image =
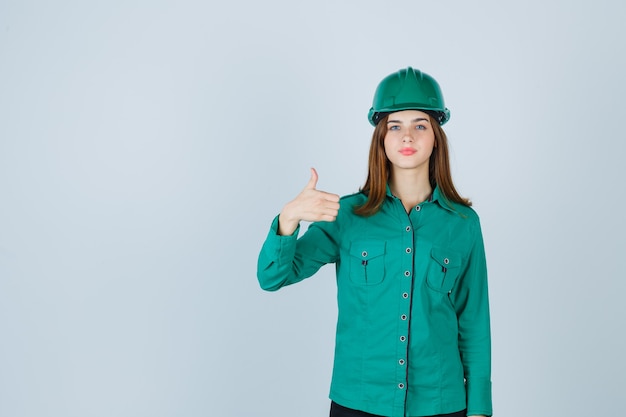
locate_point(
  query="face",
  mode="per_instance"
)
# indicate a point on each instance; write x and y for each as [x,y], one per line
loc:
[409,140]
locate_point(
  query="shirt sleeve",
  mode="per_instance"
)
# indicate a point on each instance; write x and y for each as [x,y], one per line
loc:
[472,308]
[286,260]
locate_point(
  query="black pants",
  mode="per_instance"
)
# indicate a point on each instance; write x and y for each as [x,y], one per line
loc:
[337,410]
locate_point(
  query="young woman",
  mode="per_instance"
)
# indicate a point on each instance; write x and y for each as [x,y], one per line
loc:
[413,336]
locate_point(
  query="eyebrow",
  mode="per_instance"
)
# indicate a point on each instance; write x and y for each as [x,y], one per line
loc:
[419,119]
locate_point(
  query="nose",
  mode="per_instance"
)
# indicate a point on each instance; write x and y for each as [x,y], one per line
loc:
[407,137]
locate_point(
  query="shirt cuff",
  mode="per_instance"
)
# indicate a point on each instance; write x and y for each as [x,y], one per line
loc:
[283,247]
[274,228]
[479,397]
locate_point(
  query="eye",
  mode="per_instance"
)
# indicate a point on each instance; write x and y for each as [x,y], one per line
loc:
[420,127]
[394,127]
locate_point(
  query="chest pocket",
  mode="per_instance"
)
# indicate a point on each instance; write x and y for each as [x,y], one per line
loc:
[367,262]
[444,269]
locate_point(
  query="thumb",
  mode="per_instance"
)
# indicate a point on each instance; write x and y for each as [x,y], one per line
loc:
[313,181]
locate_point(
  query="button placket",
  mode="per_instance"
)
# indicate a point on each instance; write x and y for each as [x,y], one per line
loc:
[404,303]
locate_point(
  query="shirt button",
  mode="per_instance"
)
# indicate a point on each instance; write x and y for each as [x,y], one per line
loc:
[408,250]
[405,295]
[446,261]
[364,254]
[418,208]
[401,361]
[403,317]
[408,228]
[407,273]
[402,338]
[401,385]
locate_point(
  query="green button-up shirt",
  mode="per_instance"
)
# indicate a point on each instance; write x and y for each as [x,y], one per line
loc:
[413,335]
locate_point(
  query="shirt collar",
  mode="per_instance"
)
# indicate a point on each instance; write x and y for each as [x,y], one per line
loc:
[389,193]
[436,196]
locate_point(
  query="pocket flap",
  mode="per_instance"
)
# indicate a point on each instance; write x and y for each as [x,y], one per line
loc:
[367,249]
[445,257]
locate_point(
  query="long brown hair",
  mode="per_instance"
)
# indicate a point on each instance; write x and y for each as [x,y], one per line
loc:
[379,168]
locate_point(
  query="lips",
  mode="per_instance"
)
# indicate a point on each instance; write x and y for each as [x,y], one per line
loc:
[407,151]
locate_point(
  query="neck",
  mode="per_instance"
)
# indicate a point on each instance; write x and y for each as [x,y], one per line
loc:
[410,188]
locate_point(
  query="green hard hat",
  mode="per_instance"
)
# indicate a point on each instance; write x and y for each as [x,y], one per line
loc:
[408,89]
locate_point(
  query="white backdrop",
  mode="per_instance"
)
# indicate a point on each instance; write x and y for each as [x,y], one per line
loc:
[145,147]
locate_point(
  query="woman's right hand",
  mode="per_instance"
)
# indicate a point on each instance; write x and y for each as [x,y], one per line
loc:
[310,205]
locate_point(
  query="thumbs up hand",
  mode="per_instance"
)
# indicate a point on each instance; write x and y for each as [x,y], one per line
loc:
[310,205]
